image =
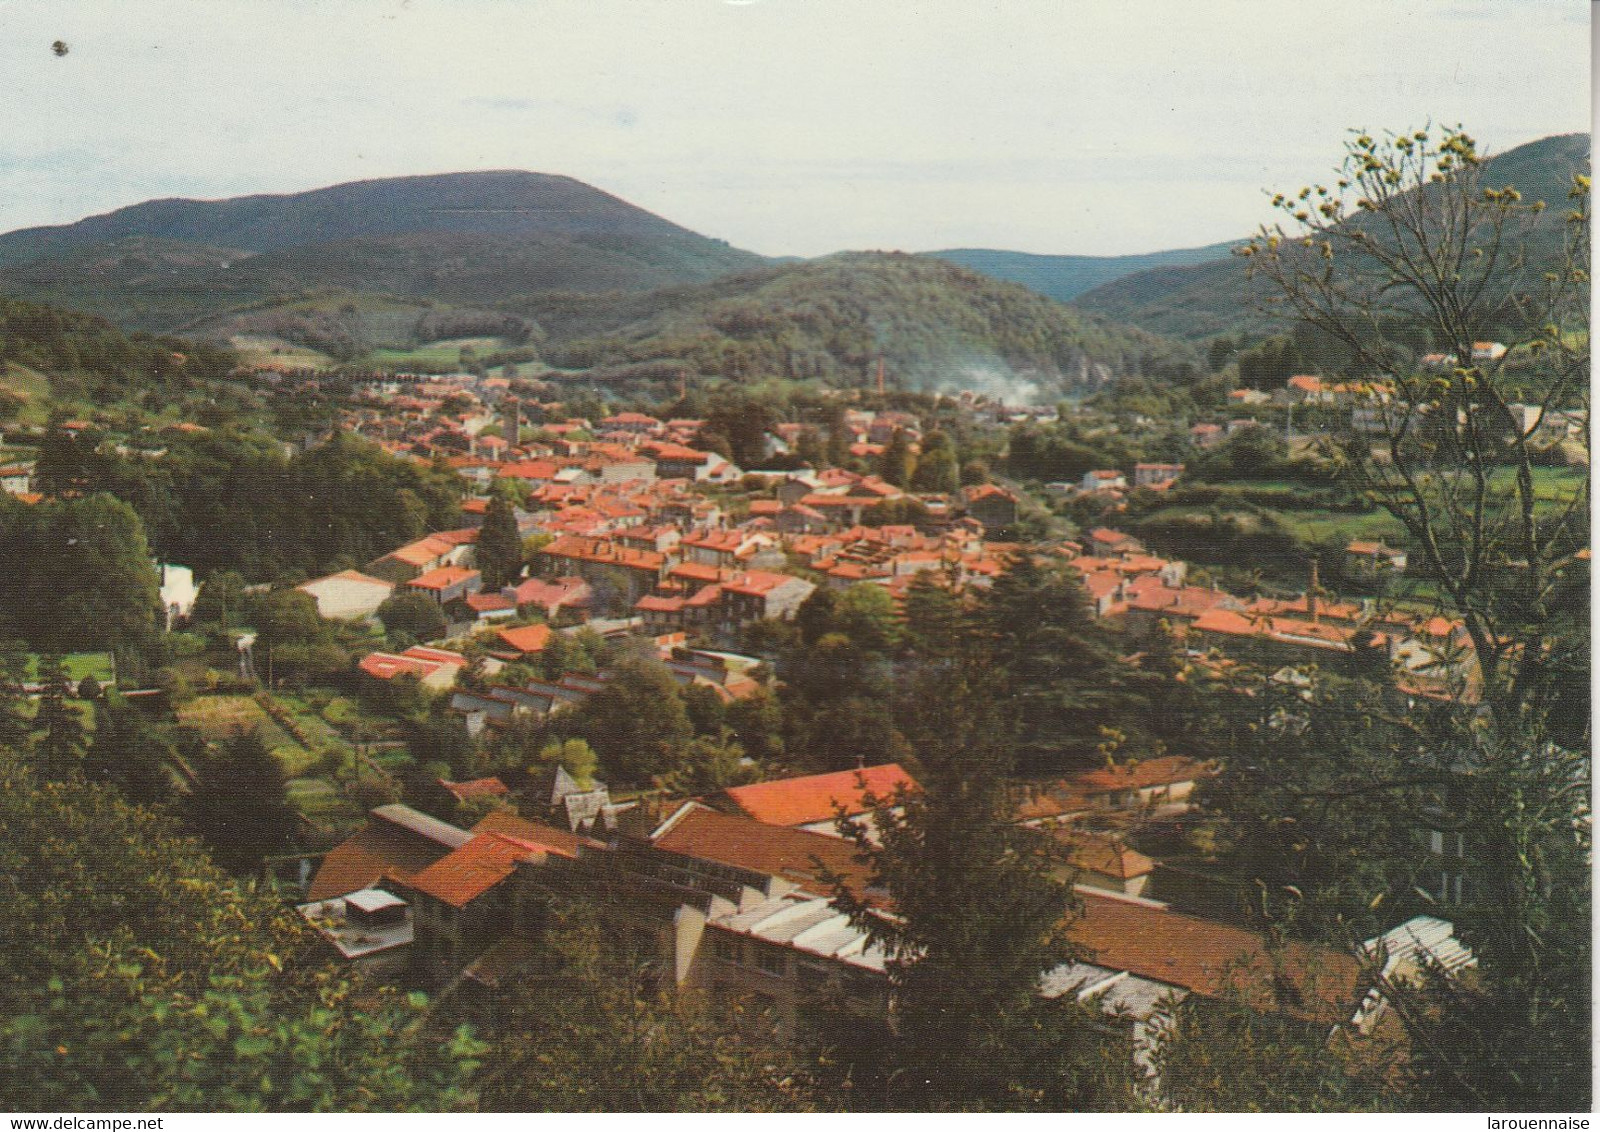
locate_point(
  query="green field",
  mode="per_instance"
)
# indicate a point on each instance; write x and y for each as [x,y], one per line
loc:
[80,664]
[34,390]
[1553,489]
[445,353]
[322,803]
[220,717]
[263,350]
[1340,526]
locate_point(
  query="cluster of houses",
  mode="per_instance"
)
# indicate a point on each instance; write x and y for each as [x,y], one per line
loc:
[1142,594]
[636,531]
[730,896]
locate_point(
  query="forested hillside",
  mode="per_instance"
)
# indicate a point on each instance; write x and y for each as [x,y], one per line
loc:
[46,353]
[934,325]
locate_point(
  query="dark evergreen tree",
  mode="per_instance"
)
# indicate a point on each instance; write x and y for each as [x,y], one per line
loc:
[811,448]
[839,438]
[239,805]
[933,617]
[129,752]
[979,915]
[1066,684]
[15,721]
[499,545]
[59,740]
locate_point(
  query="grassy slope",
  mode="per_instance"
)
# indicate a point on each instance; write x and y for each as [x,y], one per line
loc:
[32,387]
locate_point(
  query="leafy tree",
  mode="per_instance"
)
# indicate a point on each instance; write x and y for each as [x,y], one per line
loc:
[936,465]
[416,615]
[816,615]
[1417,246]
[574,756]
[905,511]
[897,461]
[743,420]
[707,716]
[85,578]
[592,1031]
[1230,1055]
[866,614]
[637,722]
[289,617]
[757,722]
[221,599]
[710,763]
[143,978]
[239,805]
[847,732]
[499,545]
[1324,790]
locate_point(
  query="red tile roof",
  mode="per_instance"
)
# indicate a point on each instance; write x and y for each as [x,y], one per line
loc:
[475,788]
[489,603]
[561,842]
[386,666]
[468,872]
[381,849]
[527,639]
[422,552]
[796,854]
[605,552]
[1104,855]
[442,578]
[1144,774]
[1213,959]
[816,797]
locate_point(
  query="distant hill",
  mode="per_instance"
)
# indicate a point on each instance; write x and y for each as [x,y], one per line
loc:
[1066,277]
[936,325]
[1207,299]
[456,238]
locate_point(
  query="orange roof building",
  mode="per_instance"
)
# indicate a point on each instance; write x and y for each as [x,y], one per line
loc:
[799,855]
[816,798]
[527,640]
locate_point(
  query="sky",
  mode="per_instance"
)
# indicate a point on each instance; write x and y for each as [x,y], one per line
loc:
[788,127]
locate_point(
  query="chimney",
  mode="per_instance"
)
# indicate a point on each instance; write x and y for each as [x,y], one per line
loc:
[1311,591]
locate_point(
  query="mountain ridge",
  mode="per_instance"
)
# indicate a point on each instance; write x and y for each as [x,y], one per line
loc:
[1203,300]
[1065,277]
[480,201]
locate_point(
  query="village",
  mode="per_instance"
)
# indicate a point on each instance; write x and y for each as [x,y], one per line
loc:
[637,538]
